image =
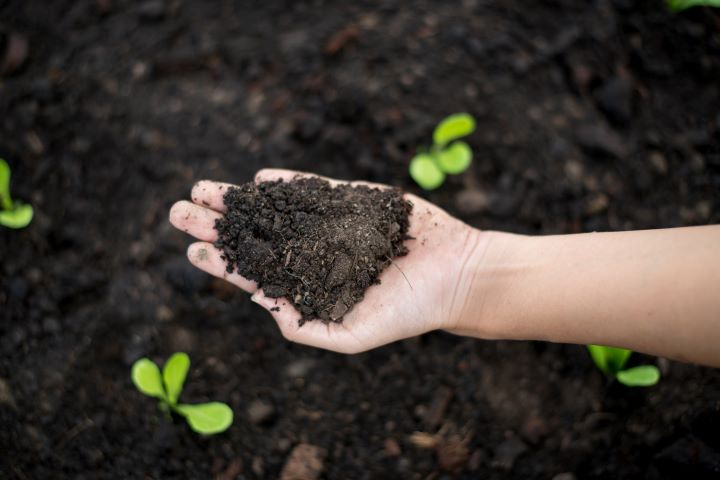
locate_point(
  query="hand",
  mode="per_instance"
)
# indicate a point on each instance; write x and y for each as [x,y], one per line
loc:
[426,290]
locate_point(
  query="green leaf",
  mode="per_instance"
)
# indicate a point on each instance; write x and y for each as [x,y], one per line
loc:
[18,217]
[455,158]
[453,127]
[5,199]
[174,374]
[425,172]
[609,359]
[207,418]
[642,376]
[678,5]
[147,379]
[597,353]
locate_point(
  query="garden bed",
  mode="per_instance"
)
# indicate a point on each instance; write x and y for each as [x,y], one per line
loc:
[591,116]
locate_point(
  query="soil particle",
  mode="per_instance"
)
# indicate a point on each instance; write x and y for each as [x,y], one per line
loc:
[300,367]
[600,140]
[260,412]
[317,245]
[507,452]
[436,413]
[304,463]
[6,396]
[392,447]
[615,99]
[233,470]
[452,453]
[152,11]
[534,429]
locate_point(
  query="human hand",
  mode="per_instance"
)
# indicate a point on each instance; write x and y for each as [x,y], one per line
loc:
[426,290]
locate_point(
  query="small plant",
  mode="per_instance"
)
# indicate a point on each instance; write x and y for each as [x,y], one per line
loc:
[206,418]
[447,155]
[12,214]
[677,5]
[612,362]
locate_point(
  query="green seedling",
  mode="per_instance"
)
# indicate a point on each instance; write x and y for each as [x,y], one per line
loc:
[206,418]
[12,214]
[678,5]
[447,156]
[611,361]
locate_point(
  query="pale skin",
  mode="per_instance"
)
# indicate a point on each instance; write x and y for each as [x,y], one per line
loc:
[652,291]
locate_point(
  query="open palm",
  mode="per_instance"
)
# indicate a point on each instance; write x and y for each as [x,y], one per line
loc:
[420,292]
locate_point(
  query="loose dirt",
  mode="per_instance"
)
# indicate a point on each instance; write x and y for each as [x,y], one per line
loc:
[319,246]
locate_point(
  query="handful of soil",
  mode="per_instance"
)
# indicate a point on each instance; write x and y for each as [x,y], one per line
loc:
[318,246]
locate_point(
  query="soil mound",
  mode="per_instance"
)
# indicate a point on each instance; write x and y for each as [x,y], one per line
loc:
[318,246]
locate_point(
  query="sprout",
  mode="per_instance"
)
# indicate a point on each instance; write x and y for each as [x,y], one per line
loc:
[611,361]
[677,5]
[12,214]
[447,155]
[206,418]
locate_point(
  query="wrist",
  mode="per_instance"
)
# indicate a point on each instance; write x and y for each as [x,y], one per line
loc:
[494,272]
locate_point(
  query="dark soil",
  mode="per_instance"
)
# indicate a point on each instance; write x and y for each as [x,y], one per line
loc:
[592,115]
[320,247]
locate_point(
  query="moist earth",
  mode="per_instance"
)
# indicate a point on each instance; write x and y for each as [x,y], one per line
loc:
[317,245]
[597,115]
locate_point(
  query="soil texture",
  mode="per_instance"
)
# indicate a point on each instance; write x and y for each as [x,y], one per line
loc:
[319,246]
[591,115]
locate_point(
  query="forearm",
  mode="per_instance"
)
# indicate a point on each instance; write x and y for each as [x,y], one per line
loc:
[654,291]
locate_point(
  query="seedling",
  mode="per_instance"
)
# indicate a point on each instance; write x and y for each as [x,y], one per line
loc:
[12,214]
[612,362]
[206,418]
[447,155]
[677,5]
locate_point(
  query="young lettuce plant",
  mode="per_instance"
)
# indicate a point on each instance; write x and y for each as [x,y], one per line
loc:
[448,155]
[611,361]
[678,5]
[205,418]
[12,214]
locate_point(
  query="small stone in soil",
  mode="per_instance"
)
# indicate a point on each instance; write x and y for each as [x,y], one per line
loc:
[318,246]
[507,452]
[306,462]
[6,395]
[260,412]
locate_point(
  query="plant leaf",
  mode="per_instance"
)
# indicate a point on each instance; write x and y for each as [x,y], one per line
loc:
[453,127]
[18,217]
[597,352]
[456,158]
[609,359]
[207,418]
[425,172]
[617,358]
[678,5]
[5,199]
[642,376]
[174,373]
[147,379]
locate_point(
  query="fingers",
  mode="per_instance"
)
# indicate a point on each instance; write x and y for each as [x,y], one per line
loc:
[207,258]
[195,220]
[209,194]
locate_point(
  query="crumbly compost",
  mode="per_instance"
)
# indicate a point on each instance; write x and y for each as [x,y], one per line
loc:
[319,246]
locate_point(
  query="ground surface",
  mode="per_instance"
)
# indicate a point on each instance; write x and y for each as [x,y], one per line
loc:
[592,116]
